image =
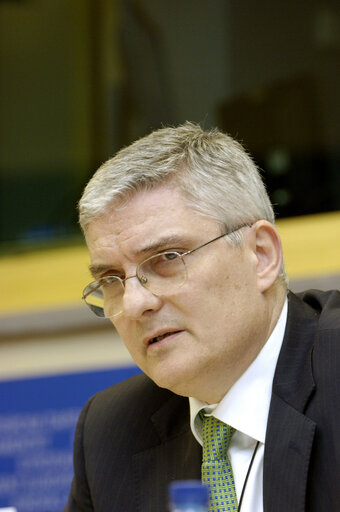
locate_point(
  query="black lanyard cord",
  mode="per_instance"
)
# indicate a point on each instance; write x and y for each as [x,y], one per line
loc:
[248,473]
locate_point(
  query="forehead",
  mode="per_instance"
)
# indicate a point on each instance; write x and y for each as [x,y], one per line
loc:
[149,214]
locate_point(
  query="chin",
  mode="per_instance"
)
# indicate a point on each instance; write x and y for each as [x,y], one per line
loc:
[165,382]
[175,382]
[178,373]
[164,378]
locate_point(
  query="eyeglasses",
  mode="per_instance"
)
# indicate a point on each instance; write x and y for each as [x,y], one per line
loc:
[161,274]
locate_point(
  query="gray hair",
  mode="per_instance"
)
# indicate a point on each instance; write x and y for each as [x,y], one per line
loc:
[215,174]
[213,171]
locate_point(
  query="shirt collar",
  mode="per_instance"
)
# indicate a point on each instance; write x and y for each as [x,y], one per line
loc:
[246,405]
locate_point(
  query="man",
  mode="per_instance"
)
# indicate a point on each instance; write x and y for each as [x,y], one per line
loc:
[188,266]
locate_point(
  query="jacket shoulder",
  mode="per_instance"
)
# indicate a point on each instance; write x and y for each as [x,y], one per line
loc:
[326,305]
[131,402]
[135,411]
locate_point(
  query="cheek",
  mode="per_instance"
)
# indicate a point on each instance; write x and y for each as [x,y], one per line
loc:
[218,289]
[204,303]
[226,299]
[126,335]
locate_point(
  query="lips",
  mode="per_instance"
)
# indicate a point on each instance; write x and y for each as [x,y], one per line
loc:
[159,337]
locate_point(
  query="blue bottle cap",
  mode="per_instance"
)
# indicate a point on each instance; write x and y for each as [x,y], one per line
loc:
[188,491]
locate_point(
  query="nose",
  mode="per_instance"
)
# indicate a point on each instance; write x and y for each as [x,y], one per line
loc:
[138,300]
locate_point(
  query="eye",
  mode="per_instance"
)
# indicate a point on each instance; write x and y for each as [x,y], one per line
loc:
[169,256]
[108,280]
[164,264]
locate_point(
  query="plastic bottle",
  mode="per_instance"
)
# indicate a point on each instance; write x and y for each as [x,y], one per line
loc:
[188,496]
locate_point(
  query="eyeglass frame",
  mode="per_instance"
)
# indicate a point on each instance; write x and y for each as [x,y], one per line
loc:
[97,309]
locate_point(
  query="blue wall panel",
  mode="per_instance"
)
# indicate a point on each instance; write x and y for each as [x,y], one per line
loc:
[37,422]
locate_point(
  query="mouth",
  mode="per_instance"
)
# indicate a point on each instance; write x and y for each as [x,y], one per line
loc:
[161,337]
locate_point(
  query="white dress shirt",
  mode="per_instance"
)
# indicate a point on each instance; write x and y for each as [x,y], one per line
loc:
[246,407]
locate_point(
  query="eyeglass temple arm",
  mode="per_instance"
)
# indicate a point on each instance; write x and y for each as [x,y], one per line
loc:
[206,243]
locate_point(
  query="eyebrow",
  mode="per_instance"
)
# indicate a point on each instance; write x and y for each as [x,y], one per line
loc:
[159,245]
[97,270]
[163,243]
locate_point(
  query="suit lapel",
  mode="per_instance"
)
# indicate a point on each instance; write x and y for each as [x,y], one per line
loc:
[288,448]
[177,456]
[290,433]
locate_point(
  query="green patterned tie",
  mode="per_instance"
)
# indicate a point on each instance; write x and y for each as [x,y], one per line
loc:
[216,467]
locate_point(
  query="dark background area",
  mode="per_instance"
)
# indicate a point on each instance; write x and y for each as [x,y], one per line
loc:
[80,79]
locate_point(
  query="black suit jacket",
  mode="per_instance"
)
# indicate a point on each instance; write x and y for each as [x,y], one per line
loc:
[134,438]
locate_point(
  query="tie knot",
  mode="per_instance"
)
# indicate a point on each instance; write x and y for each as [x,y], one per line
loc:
[216,437]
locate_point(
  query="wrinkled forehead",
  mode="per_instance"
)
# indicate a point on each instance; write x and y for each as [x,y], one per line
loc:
[169,196]
[159,212]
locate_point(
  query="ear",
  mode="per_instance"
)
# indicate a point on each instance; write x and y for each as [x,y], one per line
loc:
[268,250]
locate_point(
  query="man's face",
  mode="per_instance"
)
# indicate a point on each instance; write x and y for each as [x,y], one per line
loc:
[211,325]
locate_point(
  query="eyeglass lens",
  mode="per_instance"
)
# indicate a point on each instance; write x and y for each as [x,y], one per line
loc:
[161,274]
